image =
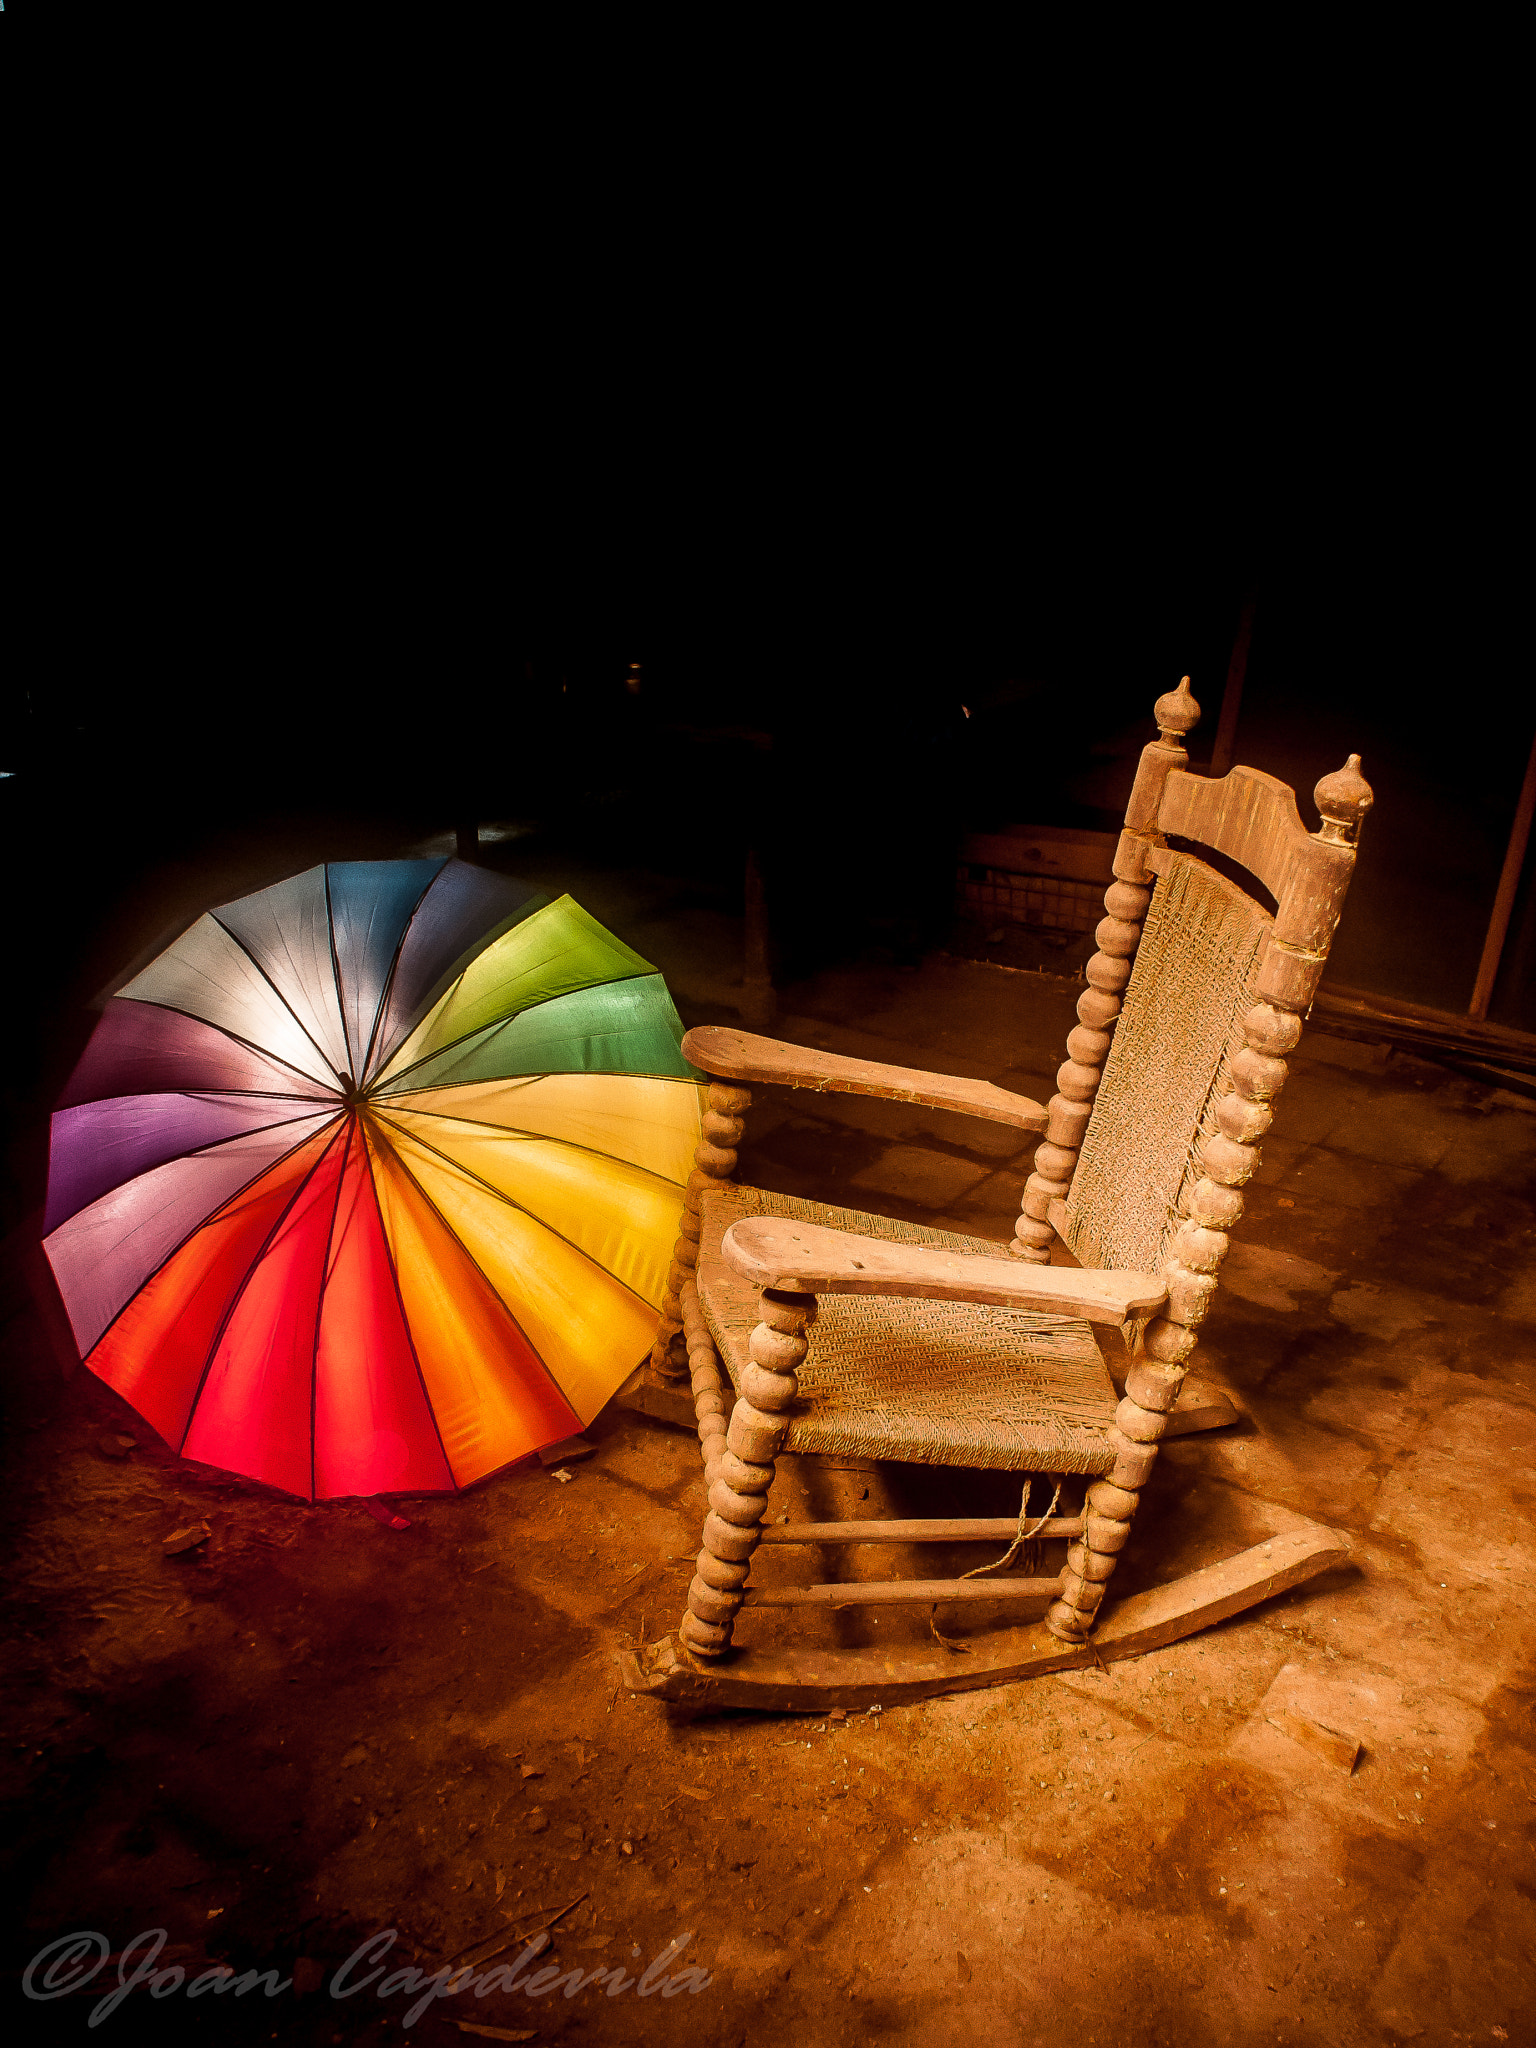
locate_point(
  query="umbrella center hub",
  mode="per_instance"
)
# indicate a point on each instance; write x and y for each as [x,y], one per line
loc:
[351,1094]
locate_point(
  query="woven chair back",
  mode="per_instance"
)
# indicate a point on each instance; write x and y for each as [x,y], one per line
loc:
[1181,1025]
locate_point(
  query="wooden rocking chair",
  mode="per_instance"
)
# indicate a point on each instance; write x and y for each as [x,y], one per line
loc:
[935,1348]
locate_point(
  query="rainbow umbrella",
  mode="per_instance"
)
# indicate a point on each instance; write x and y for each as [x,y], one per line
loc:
[370,1182]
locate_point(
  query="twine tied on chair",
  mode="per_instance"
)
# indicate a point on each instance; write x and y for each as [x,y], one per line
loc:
[1024,1535]
[1021,1536]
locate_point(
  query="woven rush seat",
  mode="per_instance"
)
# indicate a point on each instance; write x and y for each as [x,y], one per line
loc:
[921,1382]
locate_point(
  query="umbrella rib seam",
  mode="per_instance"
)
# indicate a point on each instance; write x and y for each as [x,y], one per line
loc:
[232,1305]
[695,1079]
[494,1291]
[261,1051]
[512,1016]
[522,1210]
[389,979]
[192,1151]
[293,1013]
[429,1001]
[545,1137]
[341,1010]
[212,1217]
[405,1321]
[196,1091]
[325,1281]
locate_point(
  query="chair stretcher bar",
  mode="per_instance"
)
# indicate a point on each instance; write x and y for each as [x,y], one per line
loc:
[1000,1529]
[1038,1593]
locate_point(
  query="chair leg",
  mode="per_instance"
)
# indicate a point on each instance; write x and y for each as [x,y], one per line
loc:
[1150,1393]
[708,1381]
[741,1471]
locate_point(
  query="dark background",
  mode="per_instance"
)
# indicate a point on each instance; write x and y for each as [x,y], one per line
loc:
[851,750]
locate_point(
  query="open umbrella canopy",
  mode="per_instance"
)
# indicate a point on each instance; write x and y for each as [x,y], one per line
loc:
[370,1181]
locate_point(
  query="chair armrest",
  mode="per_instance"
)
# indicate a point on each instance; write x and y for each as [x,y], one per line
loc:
[805,1258]
[742,1056]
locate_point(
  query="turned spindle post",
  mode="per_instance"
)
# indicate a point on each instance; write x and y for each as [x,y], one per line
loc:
[711,1400]
[1229,1159]
[1108,971]
[738,1467]
[714,1161]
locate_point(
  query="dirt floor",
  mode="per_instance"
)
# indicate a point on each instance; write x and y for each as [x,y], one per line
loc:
[312,1729]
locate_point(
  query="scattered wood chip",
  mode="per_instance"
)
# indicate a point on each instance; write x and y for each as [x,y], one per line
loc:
[1332,1744]
[117,1446]
[963,1967]
[186,1539]
[694,1791]
[1315,1713]
[563,1476]
[531,1771]
[538,1821]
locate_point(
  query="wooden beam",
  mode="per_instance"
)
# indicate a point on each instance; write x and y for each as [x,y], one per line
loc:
[1057,851]
[1356,1014]
[1504,896]
[743,1056]
[803,1258]
[757,997]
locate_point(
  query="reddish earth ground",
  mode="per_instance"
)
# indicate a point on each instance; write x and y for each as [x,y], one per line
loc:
[313,1729]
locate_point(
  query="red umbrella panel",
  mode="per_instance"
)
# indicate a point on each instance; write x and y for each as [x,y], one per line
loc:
[369,1183]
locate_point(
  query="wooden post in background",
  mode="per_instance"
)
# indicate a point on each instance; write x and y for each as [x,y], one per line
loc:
[1225,744]
[1504,895]
[757,998]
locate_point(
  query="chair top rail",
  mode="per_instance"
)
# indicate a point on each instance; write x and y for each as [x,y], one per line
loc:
[743,1056]
[1252,818]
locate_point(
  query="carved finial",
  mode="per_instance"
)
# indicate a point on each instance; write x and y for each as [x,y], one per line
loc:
[1176,713]
[1343,798]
